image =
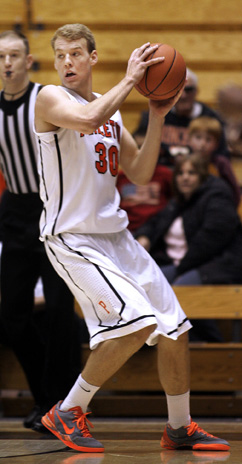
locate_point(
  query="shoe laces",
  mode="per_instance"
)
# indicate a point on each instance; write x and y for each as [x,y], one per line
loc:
[81,422]
[194,427]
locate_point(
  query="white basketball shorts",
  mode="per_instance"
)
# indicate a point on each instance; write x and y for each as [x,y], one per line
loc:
[117,284]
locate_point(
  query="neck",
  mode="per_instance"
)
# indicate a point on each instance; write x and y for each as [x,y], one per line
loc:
[15,95]
[83,89]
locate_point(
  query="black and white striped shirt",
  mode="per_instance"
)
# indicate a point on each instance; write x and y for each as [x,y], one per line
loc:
[18,150]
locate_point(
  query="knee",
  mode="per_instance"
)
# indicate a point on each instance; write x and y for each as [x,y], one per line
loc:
[183,341]
[150,329]
[144,333]
[180,343]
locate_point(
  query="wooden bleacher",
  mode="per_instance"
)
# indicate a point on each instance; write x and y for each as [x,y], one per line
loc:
[216,375]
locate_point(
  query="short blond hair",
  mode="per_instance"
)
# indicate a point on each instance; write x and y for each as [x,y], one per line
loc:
[207,124]
[74,32]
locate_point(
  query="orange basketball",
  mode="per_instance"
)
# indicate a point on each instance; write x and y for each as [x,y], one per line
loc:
[163,80]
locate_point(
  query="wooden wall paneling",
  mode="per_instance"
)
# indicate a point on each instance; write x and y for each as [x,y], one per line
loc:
[203,49]
[140,12]
[14,14]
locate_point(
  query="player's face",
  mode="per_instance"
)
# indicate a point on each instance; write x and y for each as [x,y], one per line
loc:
[187,179]
[74,62]
[14,61]
[203,143]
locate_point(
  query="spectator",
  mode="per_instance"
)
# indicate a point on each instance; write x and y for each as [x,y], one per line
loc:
[204,135]
[42,354]
[142,201]
[229,106]
[175,130]
[197,238]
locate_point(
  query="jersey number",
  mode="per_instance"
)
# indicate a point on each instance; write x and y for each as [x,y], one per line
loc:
[107,158]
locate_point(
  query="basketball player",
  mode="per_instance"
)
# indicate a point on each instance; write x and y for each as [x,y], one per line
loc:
[125,298]
[23,259]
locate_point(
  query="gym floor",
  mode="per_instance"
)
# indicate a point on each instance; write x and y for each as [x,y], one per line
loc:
[126,441]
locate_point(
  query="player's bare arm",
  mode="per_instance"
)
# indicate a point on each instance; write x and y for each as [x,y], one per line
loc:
[139,164]
[52,110]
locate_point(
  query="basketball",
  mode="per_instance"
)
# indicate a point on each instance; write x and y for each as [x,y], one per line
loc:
[163,80]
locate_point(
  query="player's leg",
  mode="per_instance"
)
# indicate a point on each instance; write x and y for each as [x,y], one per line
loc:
[142,282]
[110,355]
[174,367]
[67,420]
[174,364]
[174,374]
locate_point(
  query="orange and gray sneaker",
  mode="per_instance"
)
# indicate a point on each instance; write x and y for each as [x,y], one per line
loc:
[192,437]
[71,428]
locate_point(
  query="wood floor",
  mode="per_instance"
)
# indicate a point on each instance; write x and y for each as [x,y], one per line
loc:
[126,441]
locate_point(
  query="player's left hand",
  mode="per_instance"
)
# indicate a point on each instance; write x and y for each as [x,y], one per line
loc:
[162,107]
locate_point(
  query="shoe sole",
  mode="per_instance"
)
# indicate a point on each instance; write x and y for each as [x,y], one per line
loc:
[201,446]
[65,438]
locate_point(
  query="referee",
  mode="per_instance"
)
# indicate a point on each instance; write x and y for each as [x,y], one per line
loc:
[46,355]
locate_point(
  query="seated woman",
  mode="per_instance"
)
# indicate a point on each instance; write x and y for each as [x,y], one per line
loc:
[197,238]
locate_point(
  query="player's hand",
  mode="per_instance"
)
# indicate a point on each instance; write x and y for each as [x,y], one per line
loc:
[144,241]
[137,64]
[162,107]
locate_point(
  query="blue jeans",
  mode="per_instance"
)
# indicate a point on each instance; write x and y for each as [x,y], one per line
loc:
[188,278]
[203,329]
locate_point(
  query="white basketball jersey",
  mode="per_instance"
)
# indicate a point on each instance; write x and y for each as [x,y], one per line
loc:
[78,175]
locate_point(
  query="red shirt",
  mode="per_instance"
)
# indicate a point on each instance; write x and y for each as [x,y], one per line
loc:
[2,184]
[143,201]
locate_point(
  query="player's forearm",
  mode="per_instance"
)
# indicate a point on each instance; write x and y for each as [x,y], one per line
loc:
[143,165]
[105,106]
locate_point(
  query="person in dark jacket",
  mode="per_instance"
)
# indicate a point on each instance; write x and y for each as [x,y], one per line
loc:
[197,238]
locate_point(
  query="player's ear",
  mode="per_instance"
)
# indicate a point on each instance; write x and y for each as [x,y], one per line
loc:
[29,61]
[93,58]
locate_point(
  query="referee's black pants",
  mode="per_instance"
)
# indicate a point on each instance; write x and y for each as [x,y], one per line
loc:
[48,349]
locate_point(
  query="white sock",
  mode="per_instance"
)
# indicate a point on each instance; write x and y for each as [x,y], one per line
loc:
[178,410]
[80,395]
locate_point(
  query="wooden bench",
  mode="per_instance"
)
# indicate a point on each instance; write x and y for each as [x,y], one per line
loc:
[216,374]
